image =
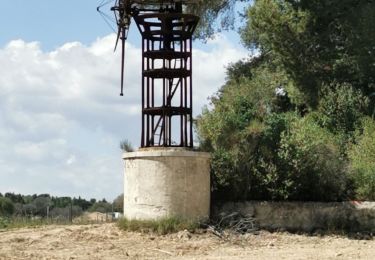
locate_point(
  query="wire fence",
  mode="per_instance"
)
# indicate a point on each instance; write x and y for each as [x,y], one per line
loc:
[64,219]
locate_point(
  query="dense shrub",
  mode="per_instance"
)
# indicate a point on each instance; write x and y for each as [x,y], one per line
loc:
[101,206]
[242,170]
[362,158]
[286,158]
[282,125]
[312,164]
[6,207]
[4,222]
[222,168]
[267,172]
[341,108]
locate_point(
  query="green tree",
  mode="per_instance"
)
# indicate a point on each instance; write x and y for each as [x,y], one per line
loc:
[317,42]
[29,209]
[216,15]
[101,206]
[82,203]
[312,168]
[15,198]
[61,202]
[341,108]
[118,203]
[41,204]
[281,126]
[126,146]
[362,158]
[6,206]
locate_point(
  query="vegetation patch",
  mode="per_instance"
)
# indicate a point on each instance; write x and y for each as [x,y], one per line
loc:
[295,122]
[161,227]
[15,222]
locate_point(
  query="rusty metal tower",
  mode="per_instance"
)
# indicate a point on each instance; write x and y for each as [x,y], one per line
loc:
[167,89]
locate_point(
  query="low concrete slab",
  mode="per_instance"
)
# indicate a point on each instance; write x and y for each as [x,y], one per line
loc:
[305,216]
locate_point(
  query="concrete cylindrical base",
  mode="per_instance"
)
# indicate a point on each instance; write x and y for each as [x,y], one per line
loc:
[166,182]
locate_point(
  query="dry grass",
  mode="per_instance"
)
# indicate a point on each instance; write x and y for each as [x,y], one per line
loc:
[162,226]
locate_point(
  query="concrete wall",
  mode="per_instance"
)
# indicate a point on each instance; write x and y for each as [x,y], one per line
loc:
[305,216]
[165,182]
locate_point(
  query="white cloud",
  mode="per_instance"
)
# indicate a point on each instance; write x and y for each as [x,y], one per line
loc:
[61,118]
[71,160]
[209,68]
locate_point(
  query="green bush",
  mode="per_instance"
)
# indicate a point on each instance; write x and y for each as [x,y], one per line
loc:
[222,166]
[126,146]
[362,159]
[267,171]
[340,109]
[251,168]
[4,222]
[6,206]
[262,152]
[243,170]
[285,157]
[312,164]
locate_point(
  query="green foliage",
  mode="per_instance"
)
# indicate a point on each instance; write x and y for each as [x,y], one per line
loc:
[6,206]
[82,203]
[240,102]
[101,206]
[340,110]
[293,144]
[277,28]
[259,152]
[126,146]
[4,222]
[24,222]
[226,179]
[285,158]
[41,204]
[243,131]
[362,158]
[61,202]
[66,213]
[215,15]
[341,107]
[317,42]
[269,168]
[162,227]
[118,203]
[313,166]
[15,198]
[28,206]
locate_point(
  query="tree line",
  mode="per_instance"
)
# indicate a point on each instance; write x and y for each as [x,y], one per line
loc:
[45,205]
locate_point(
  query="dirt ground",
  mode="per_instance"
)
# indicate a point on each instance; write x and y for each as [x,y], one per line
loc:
[106,241]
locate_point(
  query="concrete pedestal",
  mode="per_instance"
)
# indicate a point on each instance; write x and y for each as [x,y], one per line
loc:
[166,182]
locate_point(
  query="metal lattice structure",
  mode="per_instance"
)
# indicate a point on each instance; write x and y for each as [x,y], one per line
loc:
[167,91]
[167,69]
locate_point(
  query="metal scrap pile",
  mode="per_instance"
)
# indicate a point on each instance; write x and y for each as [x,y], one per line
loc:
[233,223]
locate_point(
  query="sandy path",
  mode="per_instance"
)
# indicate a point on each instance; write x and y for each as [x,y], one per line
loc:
[106,241]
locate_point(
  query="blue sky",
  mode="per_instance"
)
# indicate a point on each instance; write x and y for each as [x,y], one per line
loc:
[51,22]
[55,22]
[61,118]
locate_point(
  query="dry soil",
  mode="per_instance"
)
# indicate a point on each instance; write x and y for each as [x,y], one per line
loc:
[106,241]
